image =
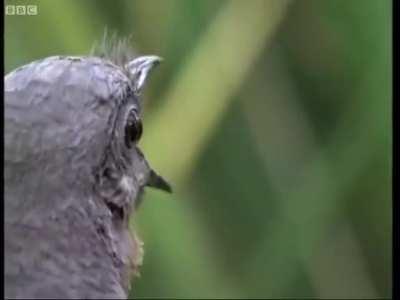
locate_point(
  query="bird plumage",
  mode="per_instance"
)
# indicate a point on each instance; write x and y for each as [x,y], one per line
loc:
[71,182]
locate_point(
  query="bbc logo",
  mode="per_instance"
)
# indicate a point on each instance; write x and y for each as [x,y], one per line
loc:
[21,10]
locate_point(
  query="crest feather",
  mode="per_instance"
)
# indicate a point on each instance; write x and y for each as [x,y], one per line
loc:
[116,49]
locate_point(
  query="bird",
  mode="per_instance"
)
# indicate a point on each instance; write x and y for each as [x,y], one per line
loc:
[74,175]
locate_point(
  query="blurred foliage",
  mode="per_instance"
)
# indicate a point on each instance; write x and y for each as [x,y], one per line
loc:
[273,121]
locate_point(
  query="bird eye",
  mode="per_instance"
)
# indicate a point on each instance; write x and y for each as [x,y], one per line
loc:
[133,128]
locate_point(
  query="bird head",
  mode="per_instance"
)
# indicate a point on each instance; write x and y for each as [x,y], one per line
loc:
[72,127]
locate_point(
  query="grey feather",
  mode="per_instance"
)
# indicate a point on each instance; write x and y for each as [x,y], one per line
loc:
[70,181]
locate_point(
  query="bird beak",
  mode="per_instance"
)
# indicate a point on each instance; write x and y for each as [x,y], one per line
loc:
[156,181]
[139,69]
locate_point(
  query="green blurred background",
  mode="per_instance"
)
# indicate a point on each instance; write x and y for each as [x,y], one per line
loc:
[272,119]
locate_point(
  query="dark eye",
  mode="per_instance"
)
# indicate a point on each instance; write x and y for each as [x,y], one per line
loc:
[133,128]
